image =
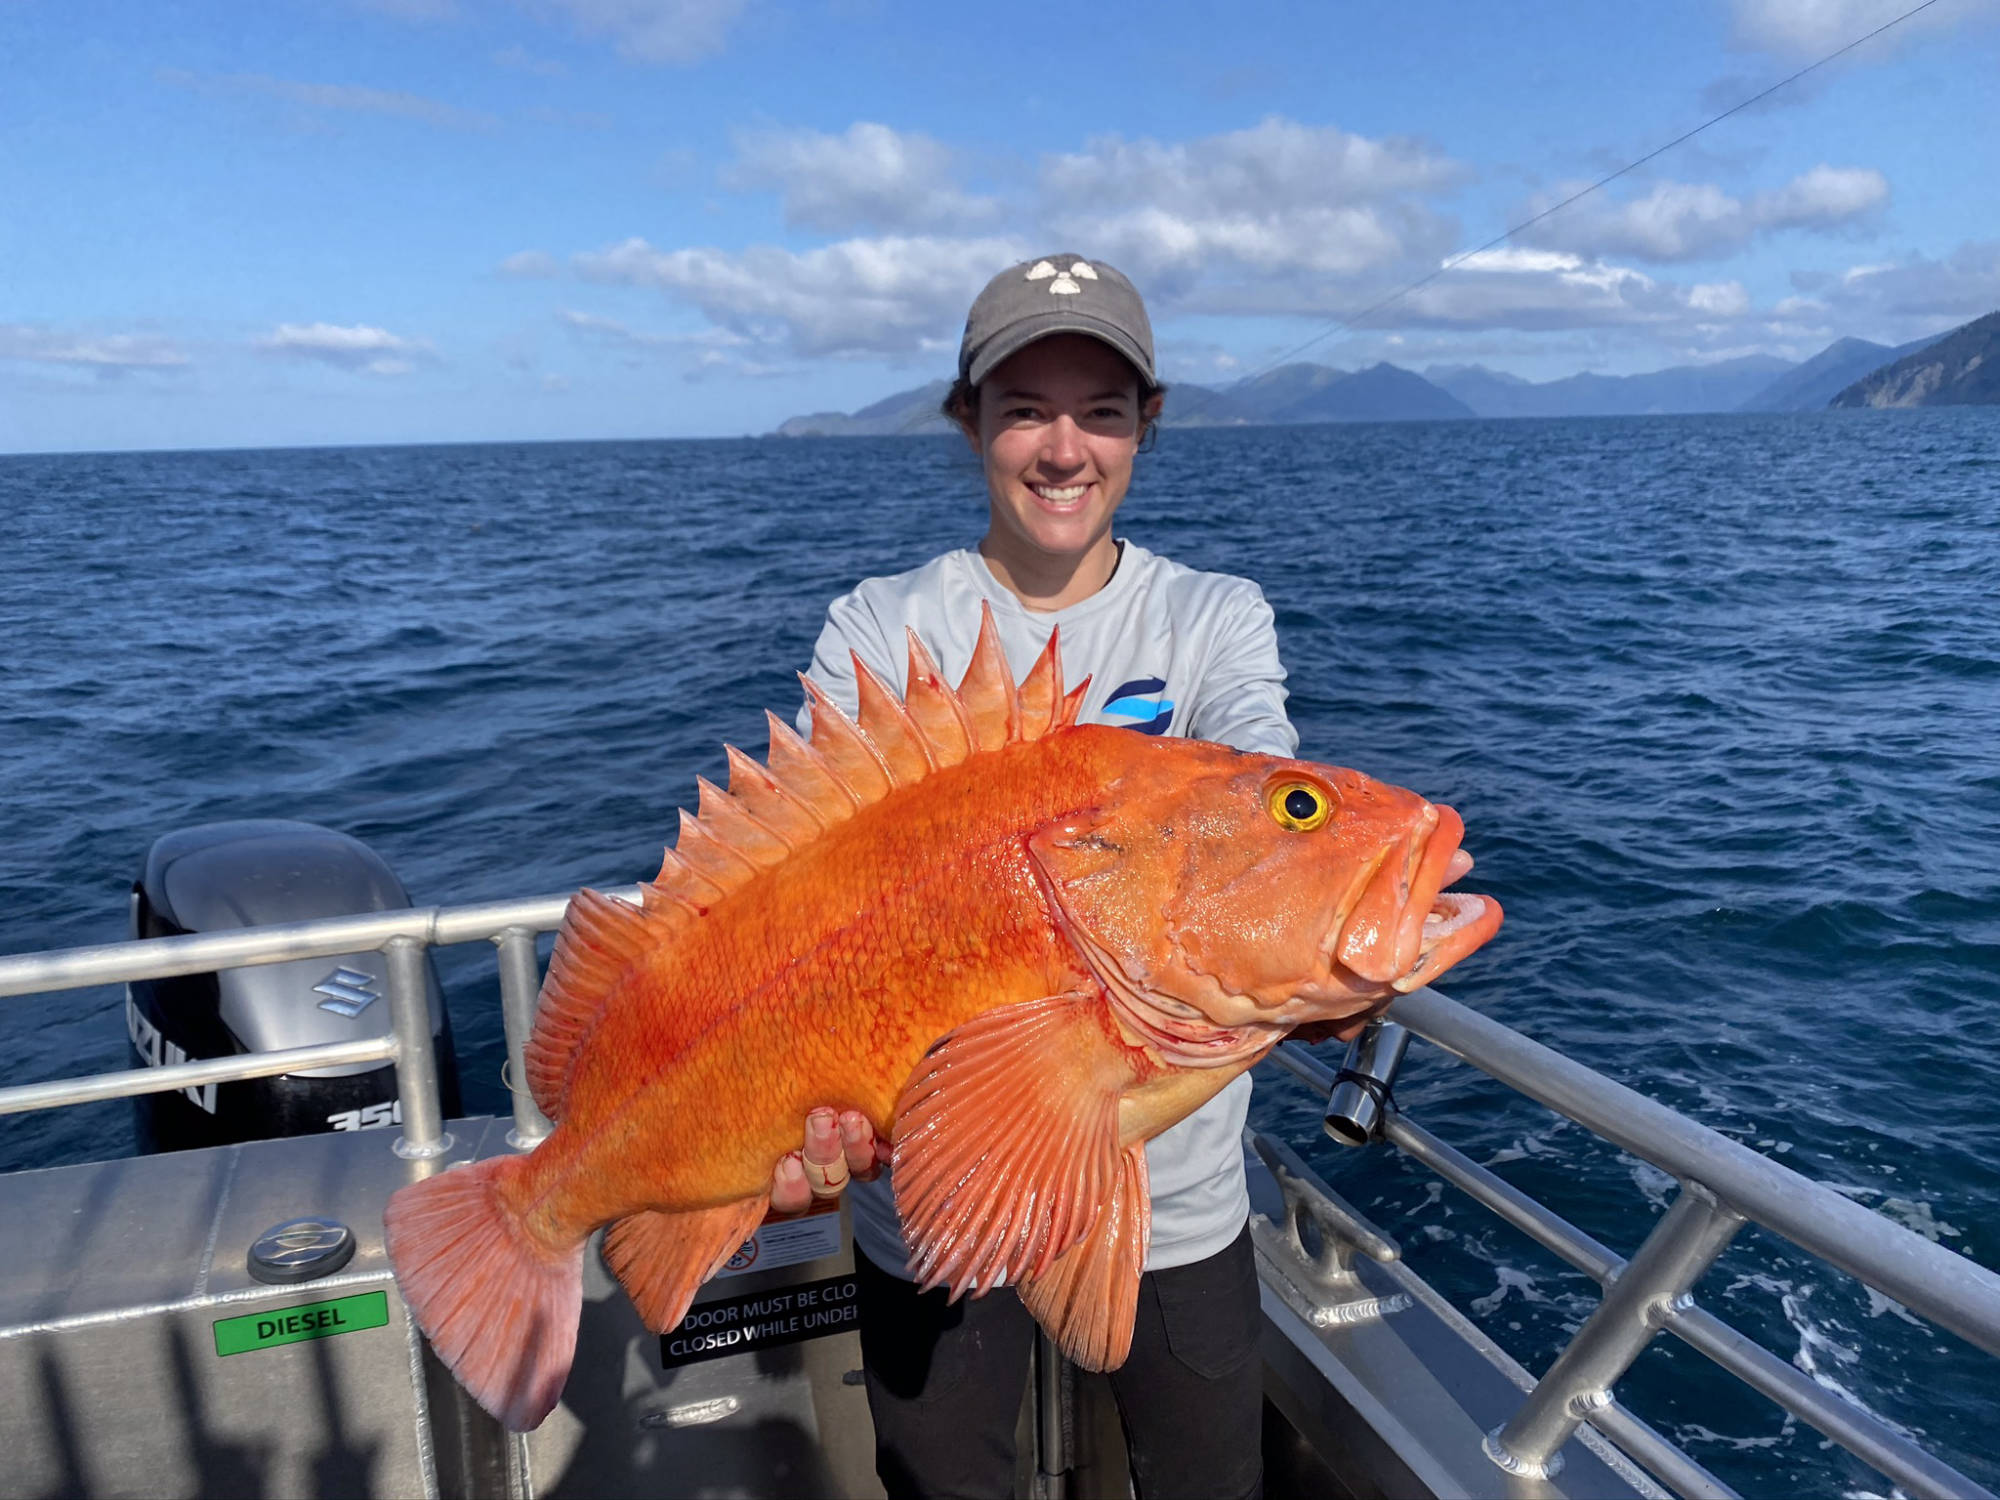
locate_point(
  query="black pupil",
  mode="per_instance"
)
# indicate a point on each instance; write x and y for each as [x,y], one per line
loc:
[1300,804]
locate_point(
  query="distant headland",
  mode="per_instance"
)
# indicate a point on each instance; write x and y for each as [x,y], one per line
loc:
[1958,368]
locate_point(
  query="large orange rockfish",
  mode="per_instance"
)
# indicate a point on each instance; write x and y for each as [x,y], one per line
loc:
[1021,946]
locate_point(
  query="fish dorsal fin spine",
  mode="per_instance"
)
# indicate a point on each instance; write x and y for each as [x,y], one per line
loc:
[772,810]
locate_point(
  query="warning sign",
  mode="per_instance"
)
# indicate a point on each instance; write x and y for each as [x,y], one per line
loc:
[762,1320]
[786,1242]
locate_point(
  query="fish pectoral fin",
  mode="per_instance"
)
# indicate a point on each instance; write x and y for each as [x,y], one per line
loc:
[1006,1140]
[662,1258]
[1089,1296]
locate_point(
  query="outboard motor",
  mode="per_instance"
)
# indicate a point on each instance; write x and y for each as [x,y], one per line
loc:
[221,876]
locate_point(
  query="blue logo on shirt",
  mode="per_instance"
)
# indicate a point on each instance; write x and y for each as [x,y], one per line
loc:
[1142,704]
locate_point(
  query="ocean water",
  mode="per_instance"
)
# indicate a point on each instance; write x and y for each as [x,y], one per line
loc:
[1718,698]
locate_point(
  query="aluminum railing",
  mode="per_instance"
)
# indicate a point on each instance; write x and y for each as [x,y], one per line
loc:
[1723,1185]
[402,935]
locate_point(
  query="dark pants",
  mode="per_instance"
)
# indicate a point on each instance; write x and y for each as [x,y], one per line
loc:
[944,1384]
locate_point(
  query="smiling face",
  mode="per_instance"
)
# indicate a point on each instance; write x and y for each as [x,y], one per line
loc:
[1056,427]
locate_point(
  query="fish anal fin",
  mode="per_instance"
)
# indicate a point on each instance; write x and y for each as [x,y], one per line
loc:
[1006,1140]
[662,1258]
[934,708]
[992,705]
[1089,1295]
[499,1307]
[889,728]
[1042,691]
[601,940]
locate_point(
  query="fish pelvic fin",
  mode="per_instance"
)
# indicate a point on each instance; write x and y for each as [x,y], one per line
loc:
[1006,1140]
[662,1258]
[1088,1297]
[601,940]
[499,1307]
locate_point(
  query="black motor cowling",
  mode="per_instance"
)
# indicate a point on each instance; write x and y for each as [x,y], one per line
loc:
[221,876]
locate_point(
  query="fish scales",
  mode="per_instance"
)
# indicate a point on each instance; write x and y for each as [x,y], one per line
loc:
[1022,947]
[820,983]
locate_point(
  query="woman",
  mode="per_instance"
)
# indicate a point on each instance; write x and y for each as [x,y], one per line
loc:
[1055,392]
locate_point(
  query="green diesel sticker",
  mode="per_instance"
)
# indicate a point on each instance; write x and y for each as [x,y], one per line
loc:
[294,1325]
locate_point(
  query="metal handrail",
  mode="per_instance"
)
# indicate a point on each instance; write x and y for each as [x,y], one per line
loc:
[1723,1182]
[1652,1298]
[1950,1290]
[401,935]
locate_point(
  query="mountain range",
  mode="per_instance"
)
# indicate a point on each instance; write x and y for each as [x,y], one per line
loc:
[1960,369]
[1957,368]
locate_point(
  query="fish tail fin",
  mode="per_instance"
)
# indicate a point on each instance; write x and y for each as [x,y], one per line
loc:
[661,1258]
[1089,1295]
[500,1309]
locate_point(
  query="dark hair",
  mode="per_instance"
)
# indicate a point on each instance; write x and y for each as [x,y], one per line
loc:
[961,404]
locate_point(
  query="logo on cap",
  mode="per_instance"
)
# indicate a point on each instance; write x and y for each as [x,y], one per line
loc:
[1064,284]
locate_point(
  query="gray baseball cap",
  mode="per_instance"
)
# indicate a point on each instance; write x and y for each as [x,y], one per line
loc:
[1055,294]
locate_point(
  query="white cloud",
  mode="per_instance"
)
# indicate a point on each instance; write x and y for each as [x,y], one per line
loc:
[340,97]
[1264,168]
[894,295]
[531,264]
[870,177]
[1811,28]
[595,329]
[1907,298]
[105,353]
[1279,198]
[1538,291]
[663,31]
[1282,218]
[1681,221]
[372,351]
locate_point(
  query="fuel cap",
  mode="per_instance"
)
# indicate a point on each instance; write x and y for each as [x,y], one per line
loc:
[301,1250]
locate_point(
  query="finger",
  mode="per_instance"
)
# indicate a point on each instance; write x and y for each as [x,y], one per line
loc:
[824,1163]
[822,1138]
[857,1142]
[790,1192]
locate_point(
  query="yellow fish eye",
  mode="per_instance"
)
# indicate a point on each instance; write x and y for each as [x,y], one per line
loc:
[1299,805]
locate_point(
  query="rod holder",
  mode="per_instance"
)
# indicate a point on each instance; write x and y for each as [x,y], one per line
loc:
[520,983]
[416,1052]
[1355,1108]
[1695,1229]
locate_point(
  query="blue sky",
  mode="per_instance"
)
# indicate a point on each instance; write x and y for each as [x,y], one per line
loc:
[330,221]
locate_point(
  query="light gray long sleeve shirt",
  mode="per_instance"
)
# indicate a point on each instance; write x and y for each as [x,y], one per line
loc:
[1168,651]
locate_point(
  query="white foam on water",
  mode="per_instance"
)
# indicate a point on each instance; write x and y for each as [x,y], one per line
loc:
[1879,1304]
[1510,1280]
[1915,1214]
[1658,1186]
[1825,1358]
[1694,1432]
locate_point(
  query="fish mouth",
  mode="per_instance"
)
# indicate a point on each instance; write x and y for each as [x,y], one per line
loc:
[1403,928]
[1457,923]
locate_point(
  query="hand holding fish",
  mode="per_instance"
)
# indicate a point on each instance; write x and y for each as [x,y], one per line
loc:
[838,1147]
[1017,946]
